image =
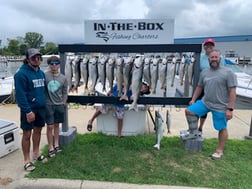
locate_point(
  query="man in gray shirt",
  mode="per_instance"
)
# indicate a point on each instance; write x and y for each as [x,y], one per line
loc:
[56,99]
[219,85]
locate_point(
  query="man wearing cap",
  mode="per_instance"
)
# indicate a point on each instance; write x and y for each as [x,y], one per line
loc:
[208,46]
[30,96]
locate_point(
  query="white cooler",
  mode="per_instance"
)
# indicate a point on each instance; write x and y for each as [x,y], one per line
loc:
[9,137]
[133,122]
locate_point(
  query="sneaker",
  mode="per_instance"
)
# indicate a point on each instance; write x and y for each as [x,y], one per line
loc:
[216,155]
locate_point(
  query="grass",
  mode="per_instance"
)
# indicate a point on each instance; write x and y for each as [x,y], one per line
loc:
[133,159]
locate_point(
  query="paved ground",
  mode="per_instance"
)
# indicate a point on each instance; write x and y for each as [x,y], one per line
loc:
[12,172]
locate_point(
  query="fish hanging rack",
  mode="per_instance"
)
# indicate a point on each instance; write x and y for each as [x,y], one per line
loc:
[158,48]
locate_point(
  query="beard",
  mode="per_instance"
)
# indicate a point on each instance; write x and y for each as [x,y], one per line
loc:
[214,65]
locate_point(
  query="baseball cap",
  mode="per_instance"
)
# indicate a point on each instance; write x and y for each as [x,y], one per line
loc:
[148,88]
[32,52]
[209,40]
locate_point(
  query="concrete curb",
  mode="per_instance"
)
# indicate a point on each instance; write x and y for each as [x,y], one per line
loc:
[83,184]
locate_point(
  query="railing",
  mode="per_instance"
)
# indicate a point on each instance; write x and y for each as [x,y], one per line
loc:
[6,59]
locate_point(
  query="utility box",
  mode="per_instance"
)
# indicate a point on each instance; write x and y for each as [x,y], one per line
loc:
[9,137]
[191,142]
[133,122]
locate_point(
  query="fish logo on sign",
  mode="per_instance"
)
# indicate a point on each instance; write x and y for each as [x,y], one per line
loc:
[103,35]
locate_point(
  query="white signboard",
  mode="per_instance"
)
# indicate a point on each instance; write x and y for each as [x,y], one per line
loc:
[144,31]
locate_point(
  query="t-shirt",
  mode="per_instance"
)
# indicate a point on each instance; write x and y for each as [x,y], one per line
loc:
[216,84]
[56,88]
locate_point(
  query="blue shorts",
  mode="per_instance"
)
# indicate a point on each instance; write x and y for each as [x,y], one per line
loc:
[200,109]
[39,119]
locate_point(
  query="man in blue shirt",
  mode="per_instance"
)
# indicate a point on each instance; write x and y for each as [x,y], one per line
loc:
[30,96]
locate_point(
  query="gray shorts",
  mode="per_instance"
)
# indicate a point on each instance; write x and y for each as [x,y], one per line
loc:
[55,114]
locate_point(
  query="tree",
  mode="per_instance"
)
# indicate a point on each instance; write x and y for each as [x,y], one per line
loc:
[23,48]
[50,48]
[33,39]
[13,47]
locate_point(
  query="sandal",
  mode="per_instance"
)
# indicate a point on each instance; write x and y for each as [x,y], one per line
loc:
[89,127]
[51,153]
[41,158]
[57,149]
[216,155]
[29,167]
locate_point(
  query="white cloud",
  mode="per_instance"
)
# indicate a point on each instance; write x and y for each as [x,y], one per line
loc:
[61,21]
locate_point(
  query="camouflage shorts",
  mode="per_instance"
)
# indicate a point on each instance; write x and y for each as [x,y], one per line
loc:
[119,113]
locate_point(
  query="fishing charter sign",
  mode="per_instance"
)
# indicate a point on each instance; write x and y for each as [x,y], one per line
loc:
[130,31]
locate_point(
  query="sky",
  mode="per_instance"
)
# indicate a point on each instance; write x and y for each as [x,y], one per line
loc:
[62,21]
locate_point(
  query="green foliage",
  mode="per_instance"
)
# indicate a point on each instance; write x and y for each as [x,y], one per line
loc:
[50,48]
[13,47]
[133,159]
[33,39]
[20,45]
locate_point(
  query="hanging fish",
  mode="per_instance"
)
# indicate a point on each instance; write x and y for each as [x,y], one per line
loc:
[159,128]
[182,70]
[162,73]
[190,70]
[102,71]
[136,82]
[146,70]
[172,70]
[110,72]
[154,73]
[93,73]
[168,121]
[69,73]
[119,74]
[84,72]
[77,73]
[127,76]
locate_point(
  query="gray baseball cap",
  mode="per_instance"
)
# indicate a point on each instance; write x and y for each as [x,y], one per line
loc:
[32,52]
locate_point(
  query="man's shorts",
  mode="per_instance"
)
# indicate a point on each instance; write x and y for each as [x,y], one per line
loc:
[200,109]
[118,113]
[55,114]
[39,119]
[105,108]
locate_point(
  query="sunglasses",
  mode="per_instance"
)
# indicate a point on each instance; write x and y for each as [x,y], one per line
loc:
[54,63]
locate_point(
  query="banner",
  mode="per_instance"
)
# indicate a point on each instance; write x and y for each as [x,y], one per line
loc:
[143,31]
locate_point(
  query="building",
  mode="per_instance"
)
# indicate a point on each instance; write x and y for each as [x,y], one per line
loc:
[239,46]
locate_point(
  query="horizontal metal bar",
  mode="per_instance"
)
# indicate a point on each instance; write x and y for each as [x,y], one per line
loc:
[89,100]
[130,48]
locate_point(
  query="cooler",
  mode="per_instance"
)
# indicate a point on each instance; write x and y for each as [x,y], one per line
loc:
[133,122]
[9,137]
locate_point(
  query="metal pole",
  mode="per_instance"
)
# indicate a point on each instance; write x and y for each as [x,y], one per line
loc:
[65,123]
[250,131]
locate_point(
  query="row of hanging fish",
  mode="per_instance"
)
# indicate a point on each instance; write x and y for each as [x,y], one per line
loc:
[129,71]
